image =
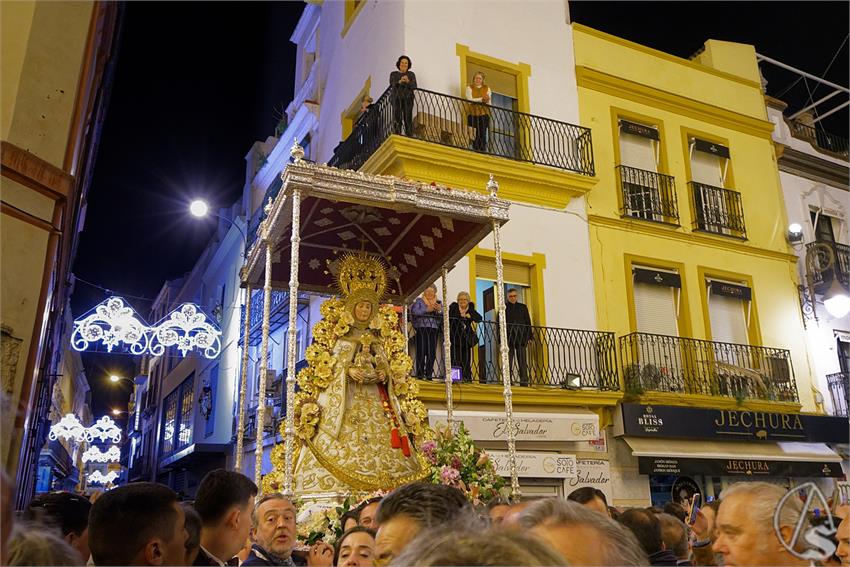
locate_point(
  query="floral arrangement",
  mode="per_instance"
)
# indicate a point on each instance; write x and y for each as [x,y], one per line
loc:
[321,522]
[456,461]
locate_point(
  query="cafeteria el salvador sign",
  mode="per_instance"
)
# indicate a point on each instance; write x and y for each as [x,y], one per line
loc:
[492,426]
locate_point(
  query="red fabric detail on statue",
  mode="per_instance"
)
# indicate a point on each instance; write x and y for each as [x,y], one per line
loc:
[395,438]
[405,446]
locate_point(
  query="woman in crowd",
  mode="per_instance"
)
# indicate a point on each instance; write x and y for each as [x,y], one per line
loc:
[40,545]
[355,548]
[479,113]
[462,317]
[427,320]
[403,83]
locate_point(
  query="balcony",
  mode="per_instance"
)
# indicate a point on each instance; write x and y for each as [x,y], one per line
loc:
[661,363]
[829,143]
[718,210]
[839,386]
[648,195]
[821,270]
[446,120]
[552,357]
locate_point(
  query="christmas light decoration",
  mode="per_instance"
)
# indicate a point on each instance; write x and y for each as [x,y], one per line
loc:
[111,323]
[98,477]
[69,428]
[103,429]
[95,455]
[187,328]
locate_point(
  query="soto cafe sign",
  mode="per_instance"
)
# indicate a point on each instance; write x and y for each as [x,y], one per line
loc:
[492,426]
[535,465]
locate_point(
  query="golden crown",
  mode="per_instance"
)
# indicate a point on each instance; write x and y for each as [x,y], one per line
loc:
[361,274]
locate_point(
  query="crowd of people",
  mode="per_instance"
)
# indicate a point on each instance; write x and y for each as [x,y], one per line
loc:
[427,327]
[419,524]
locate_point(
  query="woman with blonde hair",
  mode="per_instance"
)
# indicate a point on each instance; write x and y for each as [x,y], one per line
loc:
[479,112]
[462,319]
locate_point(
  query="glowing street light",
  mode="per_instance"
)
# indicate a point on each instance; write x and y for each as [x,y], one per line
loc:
[199,208]
[836,300]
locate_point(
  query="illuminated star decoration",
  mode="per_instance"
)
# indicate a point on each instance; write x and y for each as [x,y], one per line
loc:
[99,478]
[103,429]
[187,328]
[69,428]
[94,455]
[111,323]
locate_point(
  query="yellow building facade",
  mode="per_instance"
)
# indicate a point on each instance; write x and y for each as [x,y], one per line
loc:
[687,226]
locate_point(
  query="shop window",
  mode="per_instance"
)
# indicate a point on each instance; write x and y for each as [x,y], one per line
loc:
[656,300]
[178,417]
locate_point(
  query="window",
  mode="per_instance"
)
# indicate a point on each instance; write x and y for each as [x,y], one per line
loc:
[640,150]
[656,300]
[729,311]
[352,8]
[825,226]
[178,417]
[716,210]
[350,114]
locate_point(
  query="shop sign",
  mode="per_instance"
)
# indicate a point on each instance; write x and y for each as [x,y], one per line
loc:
[492,426]
[592,472]
[535,465]
[731,425]
[749,468]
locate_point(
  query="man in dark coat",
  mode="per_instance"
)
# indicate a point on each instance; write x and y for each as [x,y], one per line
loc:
[519,334]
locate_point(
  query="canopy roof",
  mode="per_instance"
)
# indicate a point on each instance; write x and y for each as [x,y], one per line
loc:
[417,228]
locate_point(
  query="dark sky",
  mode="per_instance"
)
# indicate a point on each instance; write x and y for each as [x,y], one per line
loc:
[196,84]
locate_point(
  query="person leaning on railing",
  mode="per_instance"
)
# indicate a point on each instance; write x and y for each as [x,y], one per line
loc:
[479,112]
[403,83]
[427,322]
[462,319]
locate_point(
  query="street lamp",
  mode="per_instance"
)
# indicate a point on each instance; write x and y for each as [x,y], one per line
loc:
[116,412]
[200,209]
[836,300]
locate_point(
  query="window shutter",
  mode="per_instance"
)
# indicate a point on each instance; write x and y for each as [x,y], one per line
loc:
[655,309]
[728,319]
[707,169]
[637,152]
[518,274]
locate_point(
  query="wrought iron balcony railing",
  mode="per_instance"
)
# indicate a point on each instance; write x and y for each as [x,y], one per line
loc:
[839,388]
[717,210]
[820,138]
[662,363]
[648,195]
[840,268]
[538,356]
[451,121]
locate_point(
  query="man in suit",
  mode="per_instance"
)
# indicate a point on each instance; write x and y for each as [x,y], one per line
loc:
[225,503]
[519,334]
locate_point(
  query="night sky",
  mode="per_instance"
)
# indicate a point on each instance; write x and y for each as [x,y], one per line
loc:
[196,84]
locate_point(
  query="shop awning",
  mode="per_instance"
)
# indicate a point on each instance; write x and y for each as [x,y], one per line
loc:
[718,458]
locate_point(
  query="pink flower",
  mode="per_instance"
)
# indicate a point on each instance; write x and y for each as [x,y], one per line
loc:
[456,462]
[449,476]
[428,448]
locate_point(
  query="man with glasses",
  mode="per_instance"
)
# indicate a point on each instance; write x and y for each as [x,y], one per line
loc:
[519,334]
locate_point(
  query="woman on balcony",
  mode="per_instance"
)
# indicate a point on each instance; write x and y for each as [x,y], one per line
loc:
[427,322]
[462,319]
[479,112]
[403,83]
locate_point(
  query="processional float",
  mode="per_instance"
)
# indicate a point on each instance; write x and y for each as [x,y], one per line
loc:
[328,226]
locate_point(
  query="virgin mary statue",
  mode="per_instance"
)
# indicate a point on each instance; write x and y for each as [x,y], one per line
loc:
[357,418]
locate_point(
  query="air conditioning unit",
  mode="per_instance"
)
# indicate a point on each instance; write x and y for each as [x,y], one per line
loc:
[269,419]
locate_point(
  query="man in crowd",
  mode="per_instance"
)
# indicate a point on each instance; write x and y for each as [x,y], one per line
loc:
[224,501]
[273,524]
[843,534]
[704,532]
[674,535]
[647,529]
[138,524]
[69,513]
[368,510]
[745,525]
[519,334]
[591,498]
[569,527]
[415,507]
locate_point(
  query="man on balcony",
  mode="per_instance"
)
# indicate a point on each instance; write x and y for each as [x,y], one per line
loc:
[519,334]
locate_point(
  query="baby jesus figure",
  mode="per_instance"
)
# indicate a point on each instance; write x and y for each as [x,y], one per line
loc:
[369,363]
